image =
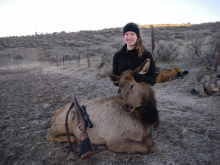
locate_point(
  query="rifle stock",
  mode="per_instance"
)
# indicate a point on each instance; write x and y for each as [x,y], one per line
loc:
[85,145]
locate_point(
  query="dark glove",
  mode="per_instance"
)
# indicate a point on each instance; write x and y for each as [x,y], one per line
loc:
[138,77]
[116,84]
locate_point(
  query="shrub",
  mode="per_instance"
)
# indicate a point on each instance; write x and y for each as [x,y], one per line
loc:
[215,42]
[165,51]
[106,56]
[213,49]
[18,57]
[67,57]
[117,45]
[105,66]
[194,42]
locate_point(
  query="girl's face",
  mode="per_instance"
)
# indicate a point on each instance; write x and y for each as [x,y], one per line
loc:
[130,39]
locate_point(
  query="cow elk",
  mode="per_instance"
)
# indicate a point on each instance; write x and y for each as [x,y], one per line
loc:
[121,122]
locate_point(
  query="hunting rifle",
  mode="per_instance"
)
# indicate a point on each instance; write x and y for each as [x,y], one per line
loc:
[85,145]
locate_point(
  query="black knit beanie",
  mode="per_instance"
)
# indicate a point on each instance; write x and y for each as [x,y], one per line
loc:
[132,27]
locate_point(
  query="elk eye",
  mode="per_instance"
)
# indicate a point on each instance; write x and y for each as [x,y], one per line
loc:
[132,86]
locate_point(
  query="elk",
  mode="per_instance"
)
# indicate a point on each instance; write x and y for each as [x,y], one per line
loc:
[122,122]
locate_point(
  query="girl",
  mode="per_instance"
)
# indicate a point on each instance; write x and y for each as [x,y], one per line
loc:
[132,54]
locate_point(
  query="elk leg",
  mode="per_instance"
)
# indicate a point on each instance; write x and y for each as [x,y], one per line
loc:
[57,132]
[60,138]
[149,141]
[129,146]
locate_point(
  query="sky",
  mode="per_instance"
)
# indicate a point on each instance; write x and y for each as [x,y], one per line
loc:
[25,17]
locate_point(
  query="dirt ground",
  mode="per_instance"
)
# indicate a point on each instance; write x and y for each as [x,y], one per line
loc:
[31,93]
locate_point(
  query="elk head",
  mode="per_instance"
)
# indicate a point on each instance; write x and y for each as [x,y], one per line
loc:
[132,92]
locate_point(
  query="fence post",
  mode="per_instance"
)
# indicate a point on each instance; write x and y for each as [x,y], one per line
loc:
[70,62]
[63,60]
[88,56]
[56,61]
[217,62]
[152,38]
[78,60]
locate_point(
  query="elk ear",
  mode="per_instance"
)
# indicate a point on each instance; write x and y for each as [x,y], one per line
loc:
[113,78]
[144,67]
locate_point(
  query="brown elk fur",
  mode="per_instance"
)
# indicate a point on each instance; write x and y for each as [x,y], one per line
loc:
[121,122]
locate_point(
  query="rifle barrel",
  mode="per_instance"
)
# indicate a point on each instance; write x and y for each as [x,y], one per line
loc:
[72,91]
[74,94]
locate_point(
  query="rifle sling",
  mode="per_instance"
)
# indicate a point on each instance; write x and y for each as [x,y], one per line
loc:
[67,128]
[85,145]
